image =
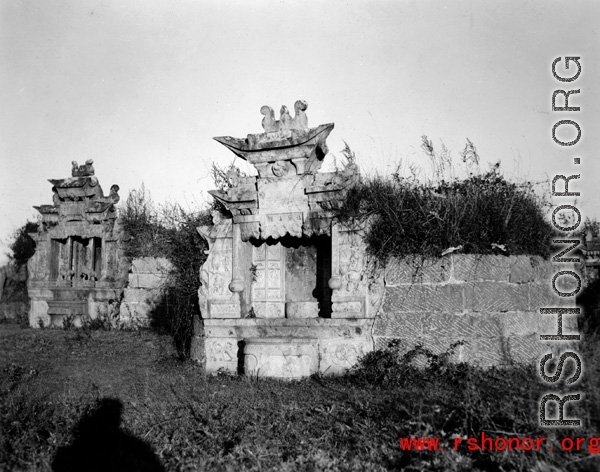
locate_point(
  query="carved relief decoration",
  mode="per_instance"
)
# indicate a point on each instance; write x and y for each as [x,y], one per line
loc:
[347,354]
[221,350]
[352,264]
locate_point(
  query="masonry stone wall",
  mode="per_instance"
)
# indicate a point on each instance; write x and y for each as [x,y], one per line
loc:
[143,298]
[490,302]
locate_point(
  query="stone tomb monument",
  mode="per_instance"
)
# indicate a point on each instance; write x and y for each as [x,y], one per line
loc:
[285,290]
[78,269]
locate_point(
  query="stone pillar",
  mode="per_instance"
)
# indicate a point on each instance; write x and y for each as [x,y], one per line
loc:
[69,280]
[335,282]
[43,259]
[237,283]
[92,261]
[104,271]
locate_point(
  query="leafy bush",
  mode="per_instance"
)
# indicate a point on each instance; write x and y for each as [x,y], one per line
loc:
[391,367]
[169,231]
[185,250]
[23,246]
[142,223]
[482,213]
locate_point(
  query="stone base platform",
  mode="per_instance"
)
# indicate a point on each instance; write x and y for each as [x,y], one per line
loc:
[286,347]
[51,304]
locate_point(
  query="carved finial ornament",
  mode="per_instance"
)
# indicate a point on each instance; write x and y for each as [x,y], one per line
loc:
[286,122]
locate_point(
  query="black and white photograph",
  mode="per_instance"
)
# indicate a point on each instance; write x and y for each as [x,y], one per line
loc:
[299,236]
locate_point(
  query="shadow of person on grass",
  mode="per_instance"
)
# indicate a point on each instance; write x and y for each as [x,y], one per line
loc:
[101,445]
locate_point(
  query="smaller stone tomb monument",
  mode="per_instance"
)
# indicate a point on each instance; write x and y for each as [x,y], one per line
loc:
[78,269]
[285,290]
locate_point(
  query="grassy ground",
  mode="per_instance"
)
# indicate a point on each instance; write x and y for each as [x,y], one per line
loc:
[51,379]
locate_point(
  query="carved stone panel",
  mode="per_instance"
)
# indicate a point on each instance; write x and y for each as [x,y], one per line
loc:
[352,264]
[221,353]
[219,270]
[268,288]
[287,358]
[279,224]
[338,355]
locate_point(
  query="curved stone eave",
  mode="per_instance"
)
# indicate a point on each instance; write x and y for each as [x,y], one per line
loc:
[244,146]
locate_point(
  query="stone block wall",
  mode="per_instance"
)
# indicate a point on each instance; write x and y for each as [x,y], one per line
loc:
[490,302]
[143,298]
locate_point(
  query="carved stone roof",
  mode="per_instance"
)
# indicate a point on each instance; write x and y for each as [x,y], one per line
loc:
[287,196]
[80,197]
[591,248]
[288,139]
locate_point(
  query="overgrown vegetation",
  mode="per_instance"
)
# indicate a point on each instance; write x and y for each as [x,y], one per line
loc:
[481,213]
[15,298]
[169,231]
[228,423]
[23,246]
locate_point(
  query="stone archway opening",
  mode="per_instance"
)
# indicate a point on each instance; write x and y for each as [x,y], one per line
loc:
[290,276]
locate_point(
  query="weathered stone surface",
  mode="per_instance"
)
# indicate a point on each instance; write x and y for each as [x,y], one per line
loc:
[140,295]
[224,310]
[150,265]
[399,325]
[541,295]
[382,342]
[221,353]
[302,309]
[318,328]
[494,296]
[525,349]
[347,309]
[38,312]
[498,320]
[445,298]
[144,298]
[469,268]
[487,352]
[285,358]
[455,325]
[548,323]
[416,270]
[338,355]
[522,323]
[523,269]
[269,309]
[147,281]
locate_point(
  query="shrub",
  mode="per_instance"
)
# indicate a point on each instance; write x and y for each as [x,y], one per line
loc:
[169,231]
[482,213]
[185,249]
[141,222]
[23,246]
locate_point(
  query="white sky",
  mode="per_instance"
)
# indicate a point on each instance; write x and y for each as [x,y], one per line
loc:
[141,87]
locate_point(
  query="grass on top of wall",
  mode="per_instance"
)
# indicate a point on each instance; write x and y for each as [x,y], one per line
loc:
[480,213]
